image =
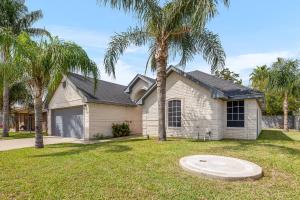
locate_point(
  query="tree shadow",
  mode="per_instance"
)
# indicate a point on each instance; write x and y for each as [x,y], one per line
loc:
[115,148]
[246,145]
[274,135]
[275,140]
[75,149]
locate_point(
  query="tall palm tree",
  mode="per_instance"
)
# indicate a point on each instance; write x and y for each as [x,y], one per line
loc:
[14,18]
[43,65]
[259,78]
[175,28]
[284,79]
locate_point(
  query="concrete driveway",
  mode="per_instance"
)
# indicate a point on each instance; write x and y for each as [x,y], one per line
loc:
[29,142]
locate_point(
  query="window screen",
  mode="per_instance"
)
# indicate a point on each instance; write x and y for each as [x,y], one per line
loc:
[235,114]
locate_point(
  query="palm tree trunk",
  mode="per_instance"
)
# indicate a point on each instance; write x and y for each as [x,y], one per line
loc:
[5,110]
[38,111]
[161,57]
[285,112]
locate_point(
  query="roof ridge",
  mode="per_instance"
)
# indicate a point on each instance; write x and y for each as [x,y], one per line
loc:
[106,92]
[91,79]
[214,76]
[146,76]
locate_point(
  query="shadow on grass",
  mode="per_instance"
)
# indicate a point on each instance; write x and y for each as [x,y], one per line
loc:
[274,135]
[268,138]
[246,146]
[74,149]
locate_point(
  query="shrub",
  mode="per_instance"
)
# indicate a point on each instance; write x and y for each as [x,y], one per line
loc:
[98,136]
[120,130]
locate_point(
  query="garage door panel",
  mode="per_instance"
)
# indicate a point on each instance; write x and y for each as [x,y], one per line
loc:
[68,122]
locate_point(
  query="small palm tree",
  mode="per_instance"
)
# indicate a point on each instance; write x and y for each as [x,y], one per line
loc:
[284,79]
[175,28]
[43,65]
[259,78]
[14,18]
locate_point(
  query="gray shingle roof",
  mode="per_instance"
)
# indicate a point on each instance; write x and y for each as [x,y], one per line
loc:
[220,88]
[106,92]
[148,78]
[229,88]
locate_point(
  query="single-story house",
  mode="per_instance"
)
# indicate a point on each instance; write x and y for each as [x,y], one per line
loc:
[197,104]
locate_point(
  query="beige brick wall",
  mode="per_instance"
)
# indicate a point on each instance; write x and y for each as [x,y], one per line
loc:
[65,97]
[62,98]
[200,113]
[102,116]
[138,89]
[249,132]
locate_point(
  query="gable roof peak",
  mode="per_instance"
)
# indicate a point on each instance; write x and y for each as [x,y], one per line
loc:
[106,92]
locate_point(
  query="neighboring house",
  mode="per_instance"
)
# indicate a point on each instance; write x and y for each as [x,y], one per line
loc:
[197,103]
[23,118]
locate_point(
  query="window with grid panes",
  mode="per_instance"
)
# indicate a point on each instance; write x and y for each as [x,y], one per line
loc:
[235,114]
[174,113]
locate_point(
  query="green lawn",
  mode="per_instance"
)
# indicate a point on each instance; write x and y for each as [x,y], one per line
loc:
[18,135]
[147,169]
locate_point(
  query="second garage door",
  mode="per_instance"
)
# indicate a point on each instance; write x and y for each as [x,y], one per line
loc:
[68,122]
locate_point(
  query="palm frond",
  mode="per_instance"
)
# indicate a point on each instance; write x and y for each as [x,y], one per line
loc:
[284,76]
[151,59]
[28,20]
[144,9]
[194,12]
[118,45]
[37,32]
[69,57]
[211,49]
[183,44]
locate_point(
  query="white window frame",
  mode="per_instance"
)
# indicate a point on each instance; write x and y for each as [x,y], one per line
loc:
[167,113]
[236,127]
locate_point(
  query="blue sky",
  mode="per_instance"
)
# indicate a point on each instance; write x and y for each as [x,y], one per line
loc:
[253,32]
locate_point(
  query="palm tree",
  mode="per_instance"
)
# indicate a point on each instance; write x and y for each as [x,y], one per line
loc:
[259,78]
[284,79]
[14,18]
[176,28]
[43,65]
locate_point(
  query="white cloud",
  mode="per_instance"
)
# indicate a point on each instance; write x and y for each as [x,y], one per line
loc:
[251,60]
[124,74]
[245,63]
[134,49]
[84,37]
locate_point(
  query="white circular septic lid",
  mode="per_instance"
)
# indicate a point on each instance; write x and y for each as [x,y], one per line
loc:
[221,167]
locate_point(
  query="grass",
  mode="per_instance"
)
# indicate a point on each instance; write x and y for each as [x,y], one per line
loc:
[147,169]
[18,135]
